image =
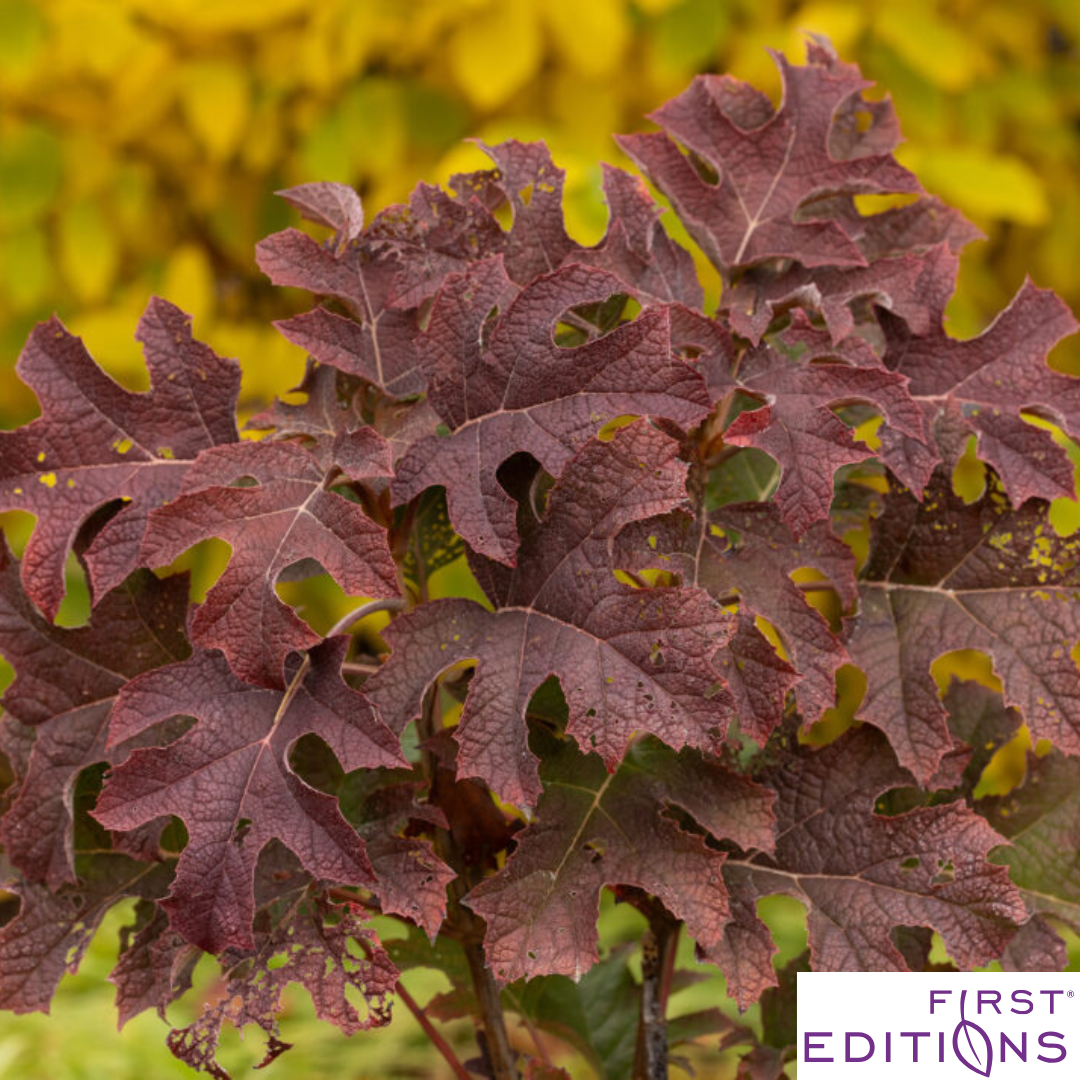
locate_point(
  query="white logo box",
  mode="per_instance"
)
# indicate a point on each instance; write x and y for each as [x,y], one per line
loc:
[938,1026]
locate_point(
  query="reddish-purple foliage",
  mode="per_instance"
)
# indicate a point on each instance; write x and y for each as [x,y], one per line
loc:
[680,541]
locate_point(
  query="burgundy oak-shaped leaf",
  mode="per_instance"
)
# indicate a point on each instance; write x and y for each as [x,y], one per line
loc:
[945,576]
[637,249]
[385,274]
[96,442]
[981,385]
[507,387]
[379,343]
[230,781]
[288,516]
[629,660]
[49,936]
[798,429]
[335,205]
[304,947]
[155,965]
[861,874]
[745,551]
[594,828]
[901,230]
[66,683]
[768,165]
[533,186]
[438,232]
[830,292]
[330,409]
[412,881]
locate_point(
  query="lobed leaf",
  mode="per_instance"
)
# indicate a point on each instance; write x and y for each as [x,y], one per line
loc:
[290,514]
[505,387]
[927,867]
[230,781]
[136,627]
[765,166]
[629,660]
[944,575]
[96,443]
[593,828]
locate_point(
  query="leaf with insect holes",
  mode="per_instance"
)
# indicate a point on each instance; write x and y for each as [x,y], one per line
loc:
[532,185]
[381,276]
[134,628]
[96,443]
[385,274]
[311,944]
[439,232]
[590,829]
[289,515]
[764,166]
[746,552]
[629,660]
[945,575]
[155,965]
[49,936]
[230,781]
[927,867]
[504,386]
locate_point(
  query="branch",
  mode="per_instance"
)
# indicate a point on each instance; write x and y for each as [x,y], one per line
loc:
[491,1034]
[658,947]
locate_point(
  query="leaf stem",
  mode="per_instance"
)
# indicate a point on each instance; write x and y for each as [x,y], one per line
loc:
[354,667]
[432,1032]
[390,603]
[429,1029]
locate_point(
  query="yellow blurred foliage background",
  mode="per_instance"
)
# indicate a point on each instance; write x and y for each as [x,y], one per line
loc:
[141,140]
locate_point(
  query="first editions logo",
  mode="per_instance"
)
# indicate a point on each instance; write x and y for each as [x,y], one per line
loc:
[899,1025]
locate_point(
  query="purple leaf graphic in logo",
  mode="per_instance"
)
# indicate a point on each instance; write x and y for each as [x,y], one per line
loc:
[970,1054]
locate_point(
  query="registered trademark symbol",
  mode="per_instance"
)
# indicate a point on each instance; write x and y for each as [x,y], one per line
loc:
[1070,993]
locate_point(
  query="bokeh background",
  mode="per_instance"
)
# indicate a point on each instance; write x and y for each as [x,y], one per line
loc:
[141,141]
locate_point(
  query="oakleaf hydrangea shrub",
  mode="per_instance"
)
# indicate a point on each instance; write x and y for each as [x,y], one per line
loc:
[680,526]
